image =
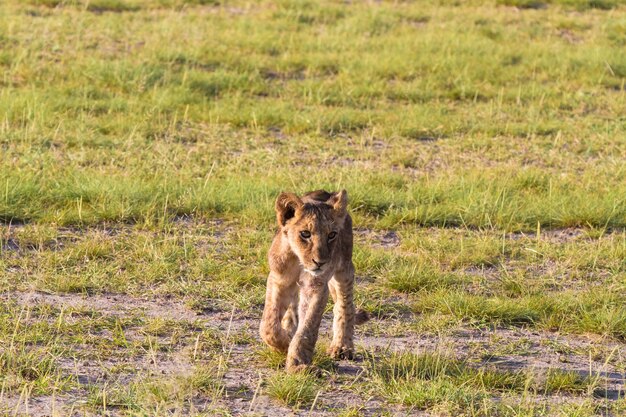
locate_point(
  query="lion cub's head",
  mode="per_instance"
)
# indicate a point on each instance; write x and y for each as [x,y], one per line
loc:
[313,225]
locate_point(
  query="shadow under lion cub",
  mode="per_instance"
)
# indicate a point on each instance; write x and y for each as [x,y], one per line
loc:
[310,257]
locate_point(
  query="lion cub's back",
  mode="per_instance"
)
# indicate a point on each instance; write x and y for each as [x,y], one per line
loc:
[317,196]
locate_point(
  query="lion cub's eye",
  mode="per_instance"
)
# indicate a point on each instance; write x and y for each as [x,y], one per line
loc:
[332,235]
[305,234]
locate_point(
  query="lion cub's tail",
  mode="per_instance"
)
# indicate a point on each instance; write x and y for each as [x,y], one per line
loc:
[361,316]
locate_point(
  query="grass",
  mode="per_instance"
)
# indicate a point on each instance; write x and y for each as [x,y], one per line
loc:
[572,382]
[591,311]
[32,369]
[143,142]
[296,390]
[438,382]
[154,394]
[168,99]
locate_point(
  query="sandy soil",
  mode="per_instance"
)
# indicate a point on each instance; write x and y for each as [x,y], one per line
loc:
[515,349]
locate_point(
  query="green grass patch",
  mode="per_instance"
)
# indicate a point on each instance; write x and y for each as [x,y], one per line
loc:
[295,390]
[485,192]
[558,381]
[33,369]
[596,311]
[441,383]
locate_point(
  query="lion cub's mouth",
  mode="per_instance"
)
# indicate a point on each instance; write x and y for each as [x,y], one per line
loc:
[314,272]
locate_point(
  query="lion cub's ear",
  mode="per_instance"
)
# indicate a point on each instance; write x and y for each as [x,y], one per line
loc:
[339,202]
[286,206]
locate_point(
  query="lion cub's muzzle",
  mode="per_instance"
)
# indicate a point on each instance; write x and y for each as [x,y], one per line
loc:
[318,267]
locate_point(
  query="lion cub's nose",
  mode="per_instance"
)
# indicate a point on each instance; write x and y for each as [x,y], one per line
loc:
[318,264]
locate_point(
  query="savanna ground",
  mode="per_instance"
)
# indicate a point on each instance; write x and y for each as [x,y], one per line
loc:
[483,145]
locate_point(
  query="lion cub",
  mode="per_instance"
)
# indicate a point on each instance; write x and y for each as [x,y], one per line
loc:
[311,255]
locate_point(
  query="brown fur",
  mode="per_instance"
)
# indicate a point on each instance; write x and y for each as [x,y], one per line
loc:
[304,269]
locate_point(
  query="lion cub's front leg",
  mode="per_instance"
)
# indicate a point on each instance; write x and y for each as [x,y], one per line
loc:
[313,299]
[342,290]
[276,325]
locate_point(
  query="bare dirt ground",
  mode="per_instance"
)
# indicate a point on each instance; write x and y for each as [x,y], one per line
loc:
[503,348]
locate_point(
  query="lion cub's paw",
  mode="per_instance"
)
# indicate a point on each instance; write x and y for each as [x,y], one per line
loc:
[305,369]
[341,352]
[297,369]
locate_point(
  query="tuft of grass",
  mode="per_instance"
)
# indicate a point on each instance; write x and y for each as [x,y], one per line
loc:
[204,381]
[150,394]
[35,369]
[423,381]
[490,380]
[408,366]
[270,357]
[295,390]
[351,412]
[524,4]
[418,276]
[114,6]
[439,395]
[571,382]
[117,396]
